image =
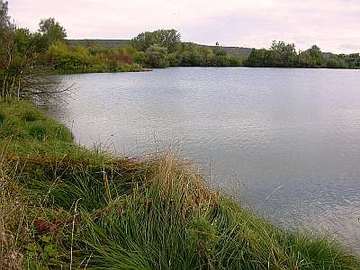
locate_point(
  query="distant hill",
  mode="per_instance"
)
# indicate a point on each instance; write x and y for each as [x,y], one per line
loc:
[235,51]
[107,43]
[114,43]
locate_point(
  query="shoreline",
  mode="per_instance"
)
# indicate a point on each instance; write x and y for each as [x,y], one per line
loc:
[120,213]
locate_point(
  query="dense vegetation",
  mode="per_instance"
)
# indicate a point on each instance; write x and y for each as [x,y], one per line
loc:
[285,55]
[158,49]
[163,48]
[23,52]
[67,59]
[19,56]
[65,207]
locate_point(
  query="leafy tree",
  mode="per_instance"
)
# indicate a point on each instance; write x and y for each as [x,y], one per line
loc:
[282,54]
[6,49]
[258,58]
[6,28]
[313,57]
[20,72]
[52,31]
[352,60]
[316,55]
[140,57]
[156,56]
[169,39]
[190,56]
[178,53]
[174,59]
[4,18]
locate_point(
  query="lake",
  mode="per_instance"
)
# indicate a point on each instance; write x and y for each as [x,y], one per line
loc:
[284,142]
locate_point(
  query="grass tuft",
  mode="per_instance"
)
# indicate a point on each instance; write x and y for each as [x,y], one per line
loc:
[38,131]
[30,115]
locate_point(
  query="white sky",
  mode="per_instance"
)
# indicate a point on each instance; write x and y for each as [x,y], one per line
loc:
[334,25]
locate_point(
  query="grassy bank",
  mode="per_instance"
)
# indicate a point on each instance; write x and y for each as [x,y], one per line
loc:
[63,206]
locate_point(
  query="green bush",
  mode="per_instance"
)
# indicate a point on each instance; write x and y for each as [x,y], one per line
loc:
[66,59]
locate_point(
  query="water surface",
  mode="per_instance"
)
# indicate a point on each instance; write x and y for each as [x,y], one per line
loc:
[285,142]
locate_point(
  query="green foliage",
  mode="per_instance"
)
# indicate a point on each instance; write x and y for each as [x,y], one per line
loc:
[140,57]
[164,48]
[52,31]
[42,253]
[170,39]
[4,18]
[193,55]
[156,57]
[66,59]
[284,55]
[20,60]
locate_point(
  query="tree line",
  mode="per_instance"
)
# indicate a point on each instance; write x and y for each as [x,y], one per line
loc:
[158,49]
[282,54]
[163,48]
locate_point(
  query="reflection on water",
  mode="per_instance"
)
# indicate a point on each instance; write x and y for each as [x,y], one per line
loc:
[283,141]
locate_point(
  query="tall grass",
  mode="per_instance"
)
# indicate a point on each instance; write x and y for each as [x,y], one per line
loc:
[65,206]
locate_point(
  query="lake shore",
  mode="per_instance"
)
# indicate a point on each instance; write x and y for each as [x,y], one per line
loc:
[78,207]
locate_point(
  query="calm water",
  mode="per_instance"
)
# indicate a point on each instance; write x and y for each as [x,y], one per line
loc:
[285,142]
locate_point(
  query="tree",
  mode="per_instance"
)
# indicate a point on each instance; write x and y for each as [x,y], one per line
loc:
[156,56]
[282,54]
[6,48]
[20,72]
[52,31]
[4,18]
[6,28]
[313,57]
[170,39]
[258,58]
[316,55]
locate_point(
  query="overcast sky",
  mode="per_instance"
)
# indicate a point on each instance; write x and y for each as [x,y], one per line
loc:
[334,25]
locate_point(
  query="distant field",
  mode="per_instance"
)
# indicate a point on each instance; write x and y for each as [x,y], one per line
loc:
[113,43]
